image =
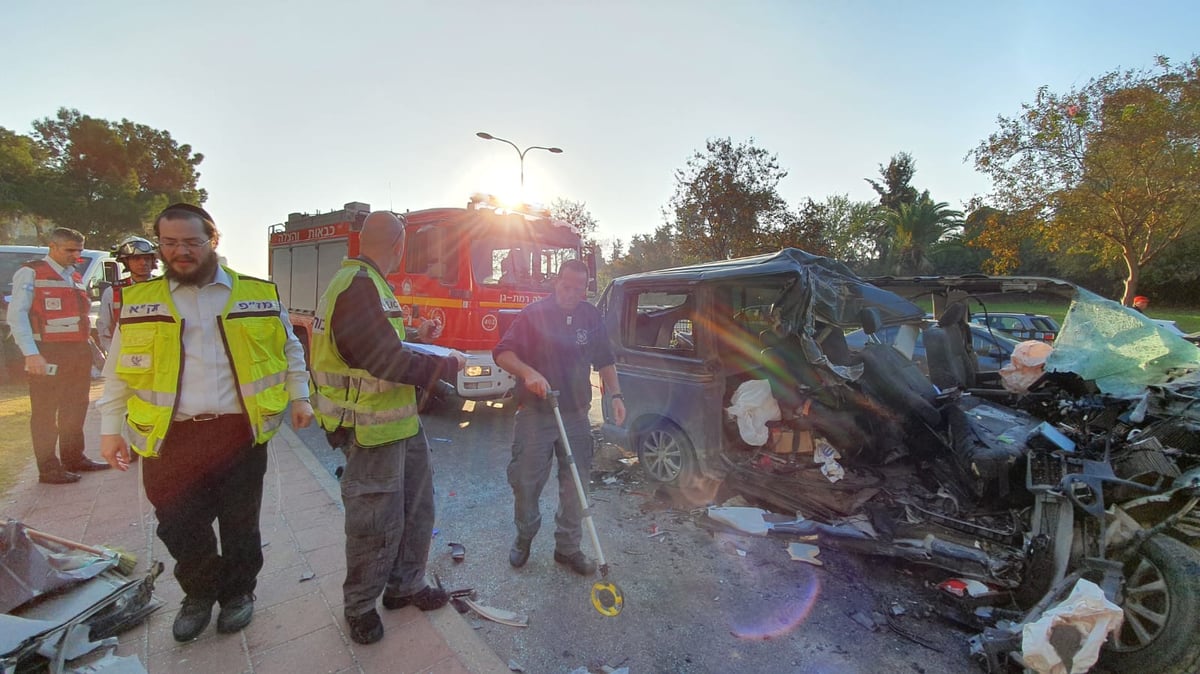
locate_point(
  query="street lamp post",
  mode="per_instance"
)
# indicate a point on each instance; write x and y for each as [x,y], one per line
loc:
[520,153]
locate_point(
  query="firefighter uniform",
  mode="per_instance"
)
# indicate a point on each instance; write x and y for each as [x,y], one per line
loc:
[364,396]
[49,316]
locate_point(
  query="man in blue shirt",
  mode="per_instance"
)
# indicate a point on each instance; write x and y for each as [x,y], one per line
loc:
[552,345]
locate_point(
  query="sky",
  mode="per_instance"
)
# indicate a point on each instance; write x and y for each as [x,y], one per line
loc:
[302,106]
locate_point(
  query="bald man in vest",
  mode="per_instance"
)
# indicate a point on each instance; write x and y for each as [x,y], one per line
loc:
[200,374]
[364,396]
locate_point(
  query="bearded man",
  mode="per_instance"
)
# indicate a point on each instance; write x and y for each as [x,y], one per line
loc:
[200,373]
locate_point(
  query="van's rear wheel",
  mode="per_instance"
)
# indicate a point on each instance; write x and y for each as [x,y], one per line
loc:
[665,454]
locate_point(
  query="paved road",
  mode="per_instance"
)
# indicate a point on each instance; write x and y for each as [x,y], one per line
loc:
[695,601]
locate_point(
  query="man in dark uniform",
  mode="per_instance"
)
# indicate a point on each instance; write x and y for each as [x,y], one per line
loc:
[551,346]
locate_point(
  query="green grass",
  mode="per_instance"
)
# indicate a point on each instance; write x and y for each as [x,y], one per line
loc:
[16,451]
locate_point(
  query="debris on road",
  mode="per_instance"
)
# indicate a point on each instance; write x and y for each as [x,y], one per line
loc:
[804,552]
[62,601]
[864,620]
[497,615]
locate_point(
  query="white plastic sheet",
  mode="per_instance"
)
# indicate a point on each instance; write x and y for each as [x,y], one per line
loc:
[1086,610]
[753,406]
[743,518]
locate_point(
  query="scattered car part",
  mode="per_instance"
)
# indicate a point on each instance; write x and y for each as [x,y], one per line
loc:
[497,615]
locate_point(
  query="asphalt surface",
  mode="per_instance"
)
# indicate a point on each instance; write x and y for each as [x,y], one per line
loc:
[695,600]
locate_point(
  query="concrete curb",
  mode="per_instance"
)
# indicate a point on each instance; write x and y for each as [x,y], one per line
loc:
[460,637]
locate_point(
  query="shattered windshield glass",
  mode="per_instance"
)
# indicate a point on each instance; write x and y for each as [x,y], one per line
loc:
[1122,350]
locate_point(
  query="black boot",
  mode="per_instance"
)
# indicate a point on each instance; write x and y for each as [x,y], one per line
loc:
[520,552]
[193,617]
[577,562]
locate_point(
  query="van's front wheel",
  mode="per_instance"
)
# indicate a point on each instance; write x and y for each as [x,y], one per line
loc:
[1162,611]
[667,456]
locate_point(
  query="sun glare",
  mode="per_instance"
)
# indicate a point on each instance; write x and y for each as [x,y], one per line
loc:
[500,177]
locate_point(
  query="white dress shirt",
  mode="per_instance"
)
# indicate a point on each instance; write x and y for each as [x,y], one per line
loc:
[22,302]
[105,325]
[207,385]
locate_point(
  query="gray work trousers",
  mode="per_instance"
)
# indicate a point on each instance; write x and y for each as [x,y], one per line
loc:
[535,445]
[388,495]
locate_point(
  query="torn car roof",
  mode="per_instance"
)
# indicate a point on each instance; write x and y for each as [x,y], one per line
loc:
[837,294]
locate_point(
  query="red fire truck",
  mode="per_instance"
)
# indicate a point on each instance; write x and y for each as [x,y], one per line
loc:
[473,268]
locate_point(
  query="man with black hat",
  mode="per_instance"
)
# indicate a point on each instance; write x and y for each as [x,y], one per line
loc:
[201,371]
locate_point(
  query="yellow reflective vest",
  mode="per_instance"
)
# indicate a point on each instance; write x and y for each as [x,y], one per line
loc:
[380,412]
[151,357]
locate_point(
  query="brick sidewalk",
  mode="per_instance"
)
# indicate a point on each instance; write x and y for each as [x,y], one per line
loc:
[298,625]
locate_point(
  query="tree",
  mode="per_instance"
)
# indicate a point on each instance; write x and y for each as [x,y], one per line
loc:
[804,230]
[577,214]
[917,229]
[852,230]
[1107,170]
[897,176]
[726,204]
[895,191]
[20,162]
[647,252]
[108,179]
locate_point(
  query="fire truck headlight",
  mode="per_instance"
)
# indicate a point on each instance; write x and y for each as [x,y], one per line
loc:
[477,371]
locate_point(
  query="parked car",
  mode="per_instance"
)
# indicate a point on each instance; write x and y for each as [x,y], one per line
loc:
[1020,326]
[992,348]
[1172,328]
[1025,492]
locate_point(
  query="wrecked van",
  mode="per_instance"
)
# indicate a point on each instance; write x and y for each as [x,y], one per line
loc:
[684,339]
[1086,472]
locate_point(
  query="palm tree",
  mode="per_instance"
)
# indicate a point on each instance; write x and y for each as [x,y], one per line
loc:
[916,229]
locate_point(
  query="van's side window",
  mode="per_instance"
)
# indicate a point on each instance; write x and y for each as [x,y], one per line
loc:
[749,309]
[664,321]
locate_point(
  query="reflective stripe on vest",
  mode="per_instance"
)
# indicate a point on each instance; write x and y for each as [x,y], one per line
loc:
[151,358]
[380,412]
[116,298]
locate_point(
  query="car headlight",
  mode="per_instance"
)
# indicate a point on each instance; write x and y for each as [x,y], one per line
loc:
[477,371]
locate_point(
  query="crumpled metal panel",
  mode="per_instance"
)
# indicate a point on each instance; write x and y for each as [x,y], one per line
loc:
[30,569]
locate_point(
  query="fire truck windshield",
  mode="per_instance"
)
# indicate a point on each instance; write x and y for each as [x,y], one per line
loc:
[517,264]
